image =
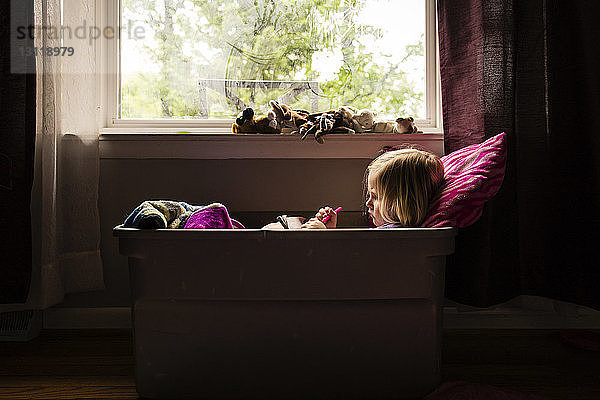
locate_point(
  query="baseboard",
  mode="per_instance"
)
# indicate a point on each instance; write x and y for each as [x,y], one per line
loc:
[522,312]
[517,319]
[87,318]
[454,318]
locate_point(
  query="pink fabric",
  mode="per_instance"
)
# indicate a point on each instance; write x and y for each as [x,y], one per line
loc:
[212,217]
[473,175]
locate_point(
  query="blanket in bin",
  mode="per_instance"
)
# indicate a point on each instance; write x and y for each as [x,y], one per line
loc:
[162,214]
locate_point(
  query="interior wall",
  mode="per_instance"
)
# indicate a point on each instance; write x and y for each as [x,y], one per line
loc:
[254,191]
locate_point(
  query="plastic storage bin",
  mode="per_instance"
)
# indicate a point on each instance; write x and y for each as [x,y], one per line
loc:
[352,313]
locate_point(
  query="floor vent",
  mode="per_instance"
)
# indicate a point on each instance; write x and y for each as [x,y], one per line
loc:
[20,326]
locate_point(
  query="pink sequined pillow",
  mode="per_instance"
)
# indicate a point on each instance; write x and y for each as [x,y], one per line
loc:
[473,175]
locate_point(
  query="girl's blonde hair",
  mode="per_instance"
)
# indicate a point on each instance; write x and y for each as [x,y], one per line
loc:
[406,181]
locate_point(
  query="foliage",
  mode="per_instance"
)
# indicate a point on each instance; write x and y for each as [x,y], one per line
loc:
[263,40]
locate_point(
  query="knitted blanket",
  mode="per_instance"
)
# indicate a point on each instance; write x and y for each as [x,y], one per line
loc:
[162,214]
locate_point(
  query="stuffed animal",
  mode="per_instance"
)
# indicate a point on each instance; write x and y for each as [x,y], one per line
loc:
[405,125]
[289,117]
[361,120]
[401,125]
[277,118]
[345,119]
[247,123]
[320,124]
[348,113]
[383,127]
[365,119]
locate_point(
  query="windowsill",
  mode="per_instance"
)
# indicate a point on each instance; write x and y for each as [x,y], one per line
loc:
[157,144]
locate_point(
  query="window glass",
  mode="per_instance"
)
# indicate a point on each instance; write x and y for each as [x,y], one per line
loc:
[211,59]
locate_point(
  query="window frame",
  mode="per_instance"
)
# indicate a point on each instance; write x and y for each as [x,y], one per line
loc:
[109,86]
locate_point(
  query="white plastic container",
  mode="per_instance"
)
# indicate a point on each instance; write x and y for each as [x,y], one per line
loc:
[344,313]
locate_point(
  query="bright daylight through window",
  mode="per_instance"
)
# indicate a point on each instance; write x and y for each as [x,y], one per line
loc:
[206,59]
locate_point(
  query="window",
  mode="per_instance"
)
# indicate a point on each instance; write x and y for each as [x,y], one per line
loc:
[198,62]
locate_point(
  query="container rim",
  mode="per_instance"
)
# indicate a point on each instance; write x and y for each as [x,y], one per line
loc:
[367,233]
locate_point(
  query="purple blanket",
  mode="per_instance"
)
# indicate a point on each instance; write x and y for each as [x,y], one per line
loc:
[213,216]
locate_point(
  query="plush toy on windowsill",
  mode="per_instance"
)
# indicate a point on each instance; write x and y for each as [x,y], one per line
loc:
[277,118]
[401,125]
[246,122]
[320,124]
[289,118]
[345,119]
[359,120]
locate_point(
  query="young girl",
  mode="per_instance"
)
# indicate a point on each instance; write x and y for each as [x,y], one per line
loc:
[400,184]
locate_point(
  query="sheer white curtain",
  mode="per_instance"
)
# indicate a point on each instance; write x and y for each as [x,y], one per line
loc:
[65,219]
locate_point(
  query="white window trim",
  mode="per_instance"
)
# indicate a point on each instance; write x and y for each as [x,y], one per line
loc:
[108,57]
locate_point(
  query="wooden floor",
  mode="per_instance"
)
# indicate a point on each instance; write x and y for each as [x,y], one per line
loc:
[99,364]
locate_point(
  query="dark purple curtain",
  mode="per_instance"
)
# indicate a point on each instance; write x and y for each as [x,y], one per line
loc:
[529,68]
[17,138]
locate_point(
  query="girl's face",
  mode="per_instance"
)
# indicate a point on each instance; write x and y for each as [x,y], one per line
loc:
[373,203]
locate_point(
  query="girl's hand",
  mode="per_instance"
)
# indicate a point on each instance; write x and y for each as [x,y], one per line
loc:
[325,211]
[313,223]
